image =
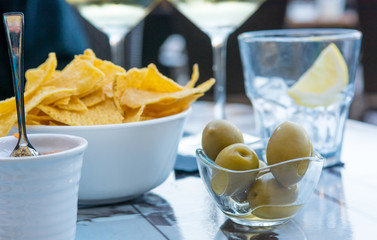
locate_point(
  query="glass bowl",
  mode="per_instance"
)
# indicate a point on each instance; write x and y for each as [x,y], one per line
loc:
[266,196]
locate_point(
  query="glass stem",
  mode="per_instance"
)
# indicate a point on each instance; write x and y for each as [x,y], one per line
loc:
[218,43]
[117,48]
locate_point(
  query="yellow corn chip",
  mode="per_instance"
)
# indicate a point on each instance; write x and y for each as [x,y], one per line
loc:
[132,78]
[110,70]
[56,123]
[135,98]
[6,106]
[146,118]
[94,98]
[42,94]
[78,75]
[62,101]
[158,110]
[133,115]
[155,81]
[58,96]
[74,104]
[7,121]
[88,55]
[34,122]
[42,117]
[35,111]
[102,113]
[36,77]
[194,77]
[32,119]
[146,79]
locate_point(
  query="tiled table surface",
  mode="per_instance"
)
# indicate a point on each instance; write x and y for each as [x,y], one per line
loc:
[343,205]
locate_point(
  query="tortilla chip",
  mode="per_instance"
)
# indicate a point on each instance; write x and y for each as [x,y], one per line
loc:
[100,114]
[78,75]
[155,81]
[62,101]
[74,104]
[7,121]
[133,115]
[56,123]
[58,96]
[32,119]
[145,79]
[88,55]
[132,78]
[194,77]
[94,98]
[159,110]
[134,98]
[36,77]
[146,118]
[6,106]
[110,70]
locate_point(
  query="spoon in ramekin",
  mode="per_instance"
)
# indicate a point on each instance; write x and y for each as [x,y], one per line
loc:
[14,28]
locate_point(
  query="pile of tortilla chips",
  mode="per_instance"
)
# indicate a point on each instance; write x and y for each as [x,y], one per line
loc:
[90,91]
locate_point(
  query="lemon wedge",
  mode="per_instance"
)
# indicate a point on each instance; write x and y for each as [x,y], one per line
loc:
[321,83]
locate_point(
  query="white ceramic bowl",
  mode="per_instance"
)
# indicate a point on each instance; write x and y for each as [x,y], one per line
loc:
[38,195]
[125,160]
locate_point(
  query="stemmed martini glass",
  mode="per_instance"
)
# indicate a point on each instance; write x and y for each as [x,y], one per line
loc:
[115,18]
[218,19]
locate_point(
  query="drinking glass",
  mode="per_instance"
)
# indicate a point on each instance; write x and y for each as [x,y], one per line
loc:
[115,18]
[274,60]
[218,19]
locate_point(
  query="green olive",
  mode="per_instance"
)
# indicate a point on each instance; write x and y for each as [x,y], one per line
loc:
[289,141]
[219,134]
[268,199]
[238,157]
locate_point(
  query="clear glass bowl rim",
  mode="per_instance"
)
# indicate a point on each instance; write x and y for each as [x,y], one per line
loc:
[300,35]
[209,163]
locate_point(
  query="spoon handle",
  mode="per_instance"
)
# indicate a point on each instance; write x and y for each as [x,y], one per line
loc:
[14,24]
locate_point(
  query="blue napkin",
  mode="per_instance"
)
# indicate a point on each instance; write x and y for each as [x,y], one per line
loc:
[186,163]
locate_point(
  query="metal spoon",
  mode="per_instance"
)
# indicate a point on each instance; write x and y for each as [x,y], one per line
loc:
[14,28]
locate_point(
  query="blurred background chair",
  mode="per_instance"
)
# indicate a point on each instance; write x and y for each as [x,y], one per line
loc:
[50,26]
[270,15]
[366,103]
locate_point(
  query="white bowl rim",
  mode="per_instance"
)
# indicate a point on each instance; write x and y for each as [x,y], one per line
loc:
[82,143]
[113,126]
